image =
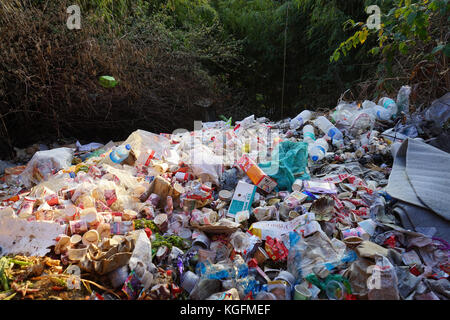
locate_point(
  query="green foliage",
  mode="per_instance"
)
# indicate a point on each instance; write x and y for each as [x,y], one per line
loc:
[404,24]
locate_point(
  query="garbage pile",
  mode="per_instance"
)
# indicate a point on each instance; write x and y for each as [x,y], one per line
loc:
[350,205]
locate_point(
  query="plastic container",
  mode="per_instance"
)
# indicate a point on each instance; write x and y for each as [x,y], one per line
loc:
[329,129]
[119,154]
[335,290]
[308,134]
[318,150]
[300,119]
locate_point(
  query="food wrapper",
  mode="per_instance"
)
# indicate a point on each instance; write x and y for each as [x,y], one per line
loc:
[276,229]
[110,197]
[26,208]
[276,249]
[132,286]
[122,227]
[318,186]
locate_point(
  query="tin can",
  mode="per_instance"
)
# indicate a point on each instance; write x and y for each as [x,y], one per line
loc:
[201,239]
[183,176]
[162,222]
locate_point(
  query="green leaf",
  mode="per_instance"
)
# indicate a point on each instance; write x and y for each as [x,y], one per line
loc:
[403,47]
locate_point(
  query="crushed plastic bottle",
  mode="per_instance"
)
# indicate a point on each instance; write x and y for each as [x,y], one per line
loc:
[119,154]
[300,119]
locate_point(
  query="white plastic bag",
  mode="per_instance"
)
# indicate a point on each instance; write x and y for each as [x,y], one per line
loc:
[44,164]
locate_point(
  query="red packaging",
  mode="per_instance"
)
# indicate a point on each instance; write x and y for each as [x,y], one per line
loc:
[52,199]
[276,249]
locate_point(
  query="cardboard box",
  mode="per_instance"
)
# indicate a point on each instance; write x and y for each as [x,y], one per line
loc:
[256,174]
[242,198]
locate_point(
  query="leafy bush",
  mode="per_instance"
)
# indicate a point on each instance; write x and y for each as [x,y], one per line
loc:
[412,45]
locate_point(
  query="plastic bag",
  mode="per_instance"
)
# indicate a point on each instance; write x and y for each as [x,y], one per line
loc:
[142,141]
[205,164]
[291,163]
[383,283]
[44,164]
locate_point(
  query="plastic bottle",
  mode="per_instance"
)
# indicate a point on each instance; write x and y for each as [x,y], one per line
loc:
[329,129]
[308,134]
[300,119]
[120,153]
[318,150]
[376,111]
[403,99]
[389,105]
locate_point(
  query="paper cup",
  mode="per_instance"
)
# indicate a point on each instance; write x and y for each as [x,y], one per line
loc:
[62,244]
[75,239]
[76,254]
[104,230]
[91,237]
[70,212]
[301,292]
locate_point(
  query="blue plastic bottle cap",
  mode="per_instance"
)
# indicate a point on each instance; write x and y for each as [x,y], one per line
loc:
[315,158]
[128,147]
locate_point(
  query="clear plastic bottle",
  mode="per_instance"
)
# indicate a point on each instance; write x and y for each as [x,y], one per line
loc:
[318,150]
[120,153]
[300,119]
[403,99]
[329,129]
[308,134]
[377,111]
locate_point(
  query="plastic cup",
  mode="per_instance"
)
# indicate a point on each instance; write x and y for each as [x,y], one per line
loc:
[189,281]
[301,292]
[335,290]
